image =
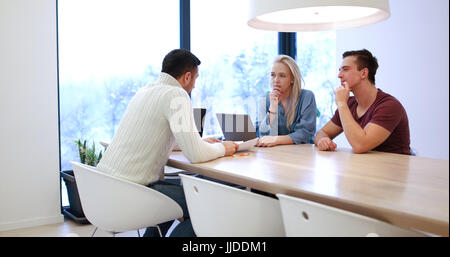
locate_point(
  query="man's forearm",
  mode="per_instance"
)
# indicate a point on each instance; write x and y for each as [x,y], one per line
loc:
[319,135]
[354,133]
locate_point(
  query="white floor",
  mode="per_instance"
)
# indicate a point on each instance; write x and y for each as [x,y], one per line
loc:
[67,229]
[70,229]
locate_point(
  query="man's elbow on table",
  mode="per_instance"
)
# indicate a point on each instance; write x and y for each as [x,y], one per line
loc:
[360,148]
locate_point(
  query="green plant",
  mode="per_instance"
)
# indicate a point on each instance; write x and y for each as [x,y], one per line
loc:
[87,154]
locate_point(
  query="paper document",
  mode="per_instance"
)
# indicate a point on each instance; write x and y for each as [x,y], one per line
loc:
[247,145]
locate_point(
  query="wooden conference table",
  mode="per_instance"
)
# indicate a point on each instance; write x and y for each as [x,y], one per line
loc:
[407,191]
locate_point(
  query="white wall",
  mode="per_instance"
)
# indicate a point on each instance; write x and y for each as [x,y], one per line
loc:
[29,165]
[412,47]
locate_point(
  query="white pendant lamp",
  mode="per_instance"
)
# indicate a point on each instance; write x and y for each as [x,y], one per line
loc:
[315,15]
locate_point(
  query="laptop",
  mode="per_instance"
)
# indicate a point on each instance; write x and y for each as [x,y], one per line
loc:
[199,119]
[236,127]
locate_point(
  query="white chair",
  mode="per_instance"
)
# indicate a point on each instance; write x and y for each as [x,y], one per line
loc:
[219,210]
[306,218]
[171,175]
[116,205]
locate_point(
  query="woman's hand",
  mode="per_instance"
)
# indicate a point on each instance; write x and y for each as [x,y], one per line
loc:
[267,141]
[274,97]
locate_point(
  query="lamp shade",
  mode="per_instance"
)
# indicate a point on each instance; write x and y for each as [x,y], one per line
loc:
[315,15]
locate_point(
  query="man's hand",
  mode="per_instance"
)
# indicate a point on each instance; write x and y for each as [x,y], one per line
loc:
[211,140]
[267,141]
[325,144]
[341,94]
[230,147]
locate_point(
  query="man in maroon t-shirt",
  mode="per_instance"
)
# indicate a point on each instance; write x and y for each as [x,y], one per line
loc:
[371,119]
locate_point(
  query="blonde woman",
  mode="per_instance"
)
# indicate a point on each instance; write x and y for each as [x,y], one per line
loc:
[290,110]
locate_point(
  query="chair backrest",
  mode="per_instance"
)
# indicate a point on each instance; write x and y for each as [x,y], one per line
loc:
[305,218]
[219,210]
[118,205]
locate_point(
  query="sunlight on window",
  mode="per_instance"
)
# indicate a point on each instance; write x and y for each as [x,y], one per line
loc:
[110,48]
[316,55]
[107,50]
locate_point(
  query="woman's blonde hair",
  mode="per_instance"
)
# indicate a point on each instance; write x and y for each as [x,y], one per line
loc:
[296,88]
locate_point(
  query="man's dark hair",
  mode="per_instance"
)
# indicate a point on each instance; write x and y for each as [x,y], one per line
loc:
[179,61]
[365,59]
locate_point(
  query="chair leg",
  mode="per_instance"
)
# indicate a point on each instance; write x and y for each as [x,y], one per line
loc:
[139,234]
[95,230]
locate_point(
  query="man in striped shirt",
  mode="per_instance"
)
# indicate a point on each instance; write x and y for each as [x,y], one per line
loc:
[159,115]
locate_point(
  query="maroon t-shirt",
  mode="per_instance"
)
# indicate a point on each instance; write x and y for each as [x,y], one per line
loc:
[387,112]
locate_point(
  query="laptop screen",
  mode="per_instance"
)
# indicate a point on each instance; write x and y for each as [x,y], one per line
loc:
[236,127]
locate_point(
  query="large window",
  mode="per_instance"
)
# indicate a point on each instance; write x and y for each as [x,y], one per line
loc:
[316,57]
[107,50]
[236,60]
